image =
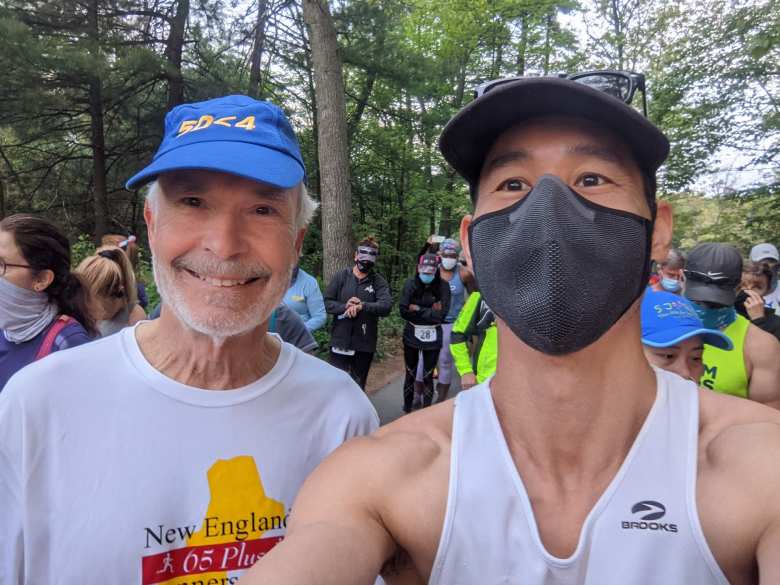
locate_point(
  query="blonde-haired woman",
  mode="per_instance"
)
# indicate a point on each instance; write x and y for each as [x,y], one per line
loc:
[109,276]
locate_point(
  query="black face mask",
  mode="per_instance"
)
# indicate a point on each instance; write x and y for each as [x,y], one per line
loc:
[364,266]
[558,269]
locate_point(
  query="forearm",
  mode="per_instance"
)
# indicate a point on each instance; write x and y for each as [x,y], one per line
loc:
[461,358]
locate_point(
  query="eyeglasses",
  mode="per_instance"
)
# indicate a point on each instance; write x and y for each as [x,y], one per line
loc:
[4,265]
[619,84]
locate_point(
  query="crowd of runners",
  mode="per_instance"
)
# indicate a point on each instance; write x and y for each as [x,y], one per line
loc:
[619,424]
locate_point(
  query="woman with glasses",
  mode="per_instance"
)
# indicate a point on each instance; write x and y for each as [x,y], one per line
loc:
[43,305]
[109,276]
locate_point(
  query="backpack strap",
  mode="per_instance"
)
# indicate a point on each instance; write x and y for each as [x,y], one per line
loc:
[51,335]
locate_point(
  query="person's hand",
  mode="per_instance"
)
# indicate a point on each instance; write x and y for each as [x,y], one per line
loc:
[754,304]
[436,306]
[354,301]
[414,307]
[468,380]
[353,310]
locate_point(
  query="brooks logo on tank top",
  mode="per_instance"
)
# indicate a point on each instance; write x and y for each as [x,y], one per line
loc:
[644,529]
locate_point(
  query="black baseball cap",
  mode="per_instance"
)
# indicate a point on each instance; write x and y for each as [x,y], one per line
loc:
[712,273]
[468,136]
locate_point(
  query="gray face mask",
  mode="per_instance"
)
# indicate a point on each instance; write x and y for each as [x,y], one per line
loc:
[558,269]
[23,313]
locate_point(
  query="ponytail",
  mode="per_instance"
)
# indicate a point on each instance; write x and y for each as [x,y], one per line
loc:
[73,300]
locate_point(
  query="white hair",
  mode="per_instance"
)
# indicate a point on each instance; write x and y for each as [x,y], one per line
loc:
[304,210]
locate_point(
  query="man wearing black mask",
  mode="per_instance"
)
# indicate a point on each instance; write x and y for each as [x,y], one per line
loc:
[357,297]
[578,463]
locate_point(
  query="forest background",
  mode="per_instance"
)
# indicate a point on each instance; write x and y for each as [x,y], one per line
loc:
[86,85]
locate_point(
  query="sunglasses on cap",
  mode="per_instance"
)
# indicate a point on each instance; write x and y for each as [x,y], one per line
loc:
[365,250]
[619,84]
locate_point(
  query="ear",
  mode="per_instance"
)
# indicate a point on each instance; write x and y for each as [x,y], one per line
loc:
[662,232]
[150,223]
[299,241]
[43,280]
[465,223]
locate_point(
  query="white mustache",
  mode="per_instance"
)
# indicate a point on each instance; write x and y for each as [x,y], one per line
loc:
[213,268]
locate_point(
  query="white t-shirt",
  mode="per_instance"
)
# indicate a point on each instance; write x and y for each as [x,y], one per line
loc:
[110,472]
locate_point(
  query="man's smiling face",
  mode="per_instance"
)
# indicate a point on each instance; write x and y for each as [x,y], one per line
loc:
[223,249]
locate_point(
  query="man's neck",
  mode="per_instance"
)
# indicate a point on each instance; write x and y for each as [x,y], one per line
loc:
[446,274]
[574,416]
[201,361]
[358,274]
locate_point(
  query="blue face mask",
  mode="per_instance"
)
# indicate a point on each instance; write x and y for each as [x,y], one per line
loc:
[715,318]
[670,284]
[426,278]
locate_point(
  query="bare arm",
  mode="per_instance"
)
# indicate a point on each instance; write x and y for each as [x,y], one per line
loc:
[336,535]
[767,557]
[763,354]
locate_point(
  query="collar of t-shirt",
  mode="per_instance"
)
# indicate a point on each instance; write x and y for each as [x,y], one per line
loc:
[199,396]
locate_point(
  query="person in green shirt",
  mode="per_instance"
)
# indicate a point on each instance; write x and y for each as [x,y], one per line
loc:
[474,320]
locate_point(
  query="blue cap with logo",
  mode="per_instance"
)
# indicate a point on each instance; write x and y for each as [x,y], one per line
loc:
[233,134]
[668,319]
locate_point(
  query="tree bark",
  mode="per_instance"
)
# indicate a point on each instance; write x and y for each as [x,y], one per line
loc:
[522,46]
[173,52]
[99,194]
[335,191]
[255,75]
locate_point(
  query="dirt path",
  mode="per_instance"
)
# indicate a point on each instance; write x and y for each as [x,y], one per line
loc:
[384,372]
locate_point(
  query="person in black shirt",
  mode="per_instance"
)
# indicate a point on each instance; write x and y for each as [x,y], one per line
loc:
[424,304]
[357,297]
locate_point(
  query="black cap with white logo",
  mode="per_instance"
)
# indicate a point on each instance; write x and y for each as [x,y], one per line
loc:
[712,273]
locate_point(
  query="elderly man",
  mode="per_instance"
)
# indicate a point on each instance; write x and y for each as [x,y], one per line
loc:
[172,451]
[578,463]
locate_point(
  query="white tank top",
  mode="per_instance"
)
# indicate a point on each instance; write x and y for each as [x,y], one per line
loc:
[644,529]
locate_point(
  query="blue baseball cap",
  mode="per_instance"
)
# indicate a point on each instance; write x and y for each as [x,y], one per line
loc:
[233,134]
[668,319]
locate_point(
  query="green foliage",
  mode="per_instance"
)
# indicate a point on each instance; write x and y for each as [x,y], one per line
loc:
[409,65]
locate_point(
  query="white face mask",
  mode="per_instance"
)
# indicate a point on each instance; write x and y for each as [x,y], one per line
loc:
[23,313]
[449,263]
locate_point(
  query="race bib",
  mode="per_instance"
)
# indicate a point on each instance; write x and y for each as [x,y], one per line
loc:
[425,333]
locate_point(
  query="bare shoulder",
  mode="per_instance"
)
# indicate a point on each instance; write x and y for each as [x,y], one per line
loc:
[737,433]
[721,414]
[392,455]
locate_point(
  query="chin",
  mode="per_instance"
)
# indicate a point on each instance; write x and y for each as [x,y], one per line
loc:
[221,314]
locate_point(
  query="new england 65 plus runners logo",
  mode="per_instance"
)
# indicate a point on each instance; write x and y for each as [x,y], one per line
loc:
[646,513]
[227,541]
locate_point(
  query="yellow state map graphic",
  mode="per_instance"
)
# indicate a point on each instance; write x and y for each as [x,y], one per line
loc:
[236,492]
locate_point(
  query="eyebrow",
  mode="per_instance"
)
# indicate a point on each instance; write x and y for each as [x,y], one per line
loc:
[603,152]
[507,158]
[272,193]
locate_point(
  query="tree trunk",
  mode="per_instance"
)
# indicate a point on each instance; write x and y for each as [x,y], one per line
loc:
[99,194]
[2,198]
[255,77]
[173,52]
[335,191]
[548,42]
[522,46]
[617,26]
